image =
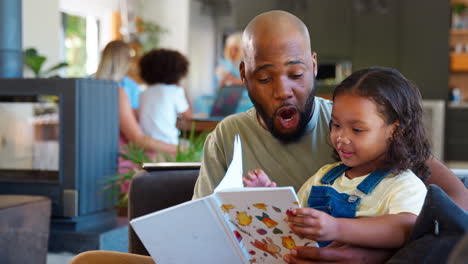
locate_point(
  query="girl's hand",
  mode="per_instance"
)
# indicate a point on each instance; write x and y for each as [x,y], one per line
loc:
[258,178]
[313,224]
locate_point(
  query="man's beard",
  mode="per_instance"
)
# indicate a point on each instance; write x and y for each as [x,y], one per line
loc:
[304,117]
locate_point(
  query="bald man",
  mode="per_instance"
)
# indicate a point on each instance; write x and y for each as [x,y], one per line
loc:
[285,134]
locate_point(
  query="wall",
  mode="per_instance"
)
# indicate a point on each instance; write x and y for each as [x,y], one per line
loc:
[172,15]
[411,36]
[244,10]
[41,29]
[424,45]
[201,52]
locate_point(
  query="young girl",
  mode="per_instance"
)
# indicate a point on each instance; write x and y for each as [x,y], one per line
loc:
[372,197]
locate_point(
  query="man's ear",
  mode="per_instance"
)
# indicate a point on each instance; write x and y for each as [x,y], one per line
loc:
[314,63]
[242,72]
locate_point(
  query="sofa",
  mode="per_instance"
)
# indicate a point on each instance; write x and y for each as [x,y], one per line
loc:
[151,191]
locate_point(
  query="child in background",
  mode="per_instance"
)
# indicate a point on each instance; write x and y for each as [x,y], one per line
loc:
[164,99]
[377,131]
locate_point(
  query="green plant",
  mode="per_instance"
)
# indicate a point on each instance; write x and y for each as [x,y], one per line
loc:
[458,8]
[136,156]
[150,35]
[194,150]
[119,183]
[34,61]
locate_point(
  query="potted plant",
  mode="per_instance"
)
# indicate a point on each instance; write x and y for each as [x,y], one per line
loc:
[150,35]
[136,156]
[458,15]
[34,61]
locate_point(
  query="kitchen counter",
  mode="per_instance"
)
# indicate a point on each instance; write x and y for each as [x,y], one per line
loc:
[458,105]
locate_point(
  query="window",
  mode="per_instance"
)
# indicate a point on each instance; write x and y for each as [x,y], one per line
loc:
[81,44]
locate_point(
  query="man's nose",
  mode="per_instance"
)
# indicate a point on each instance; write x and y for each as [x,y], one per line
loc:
[283,89]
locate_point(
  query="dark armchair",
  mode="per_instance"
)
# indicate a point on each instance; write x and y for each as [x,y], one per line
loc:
[156,189]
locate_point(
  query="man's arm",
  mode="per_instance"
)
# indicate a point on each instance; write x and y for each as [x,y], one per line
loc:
[447,181]
[338,254]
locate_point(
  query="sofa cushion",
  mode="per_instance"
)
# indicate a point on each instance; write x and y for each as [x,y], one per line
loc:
[438,228]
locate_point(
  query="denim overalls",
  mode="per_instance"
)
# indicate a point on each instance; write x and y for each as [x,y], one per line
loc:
[341,205]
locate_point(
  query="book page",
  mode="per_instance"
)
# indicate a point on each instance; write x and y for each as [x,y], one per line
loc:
[187,233]
[256,218]
[233,176]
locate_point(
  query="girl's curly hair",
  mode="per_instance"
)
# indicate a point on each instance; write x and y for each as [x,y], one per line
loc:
[397,99]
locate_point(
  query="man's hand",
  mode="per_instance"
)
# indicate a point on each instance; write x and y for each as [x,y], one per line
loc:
[258,178]
[314,224]
[337,253]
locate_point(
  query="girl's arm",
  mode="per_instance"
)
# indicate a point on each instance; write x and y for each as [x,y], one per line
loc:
[448,181]
[132,132]
[387,231]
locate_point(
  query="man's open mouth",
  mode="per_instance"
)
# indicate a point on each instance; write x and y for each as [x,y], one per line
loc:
[288,116]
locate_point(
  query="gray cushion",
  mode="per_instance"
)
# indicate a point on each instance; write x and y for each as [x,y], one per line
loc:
[439,226]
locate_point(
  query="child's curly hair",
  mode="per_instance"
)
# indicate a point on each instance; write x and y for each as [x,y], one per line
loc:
[163,66]
[397,99]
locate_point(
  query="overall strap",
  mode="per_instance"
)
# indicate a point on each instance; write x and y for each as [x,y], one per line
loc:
[369,183]
[333,174]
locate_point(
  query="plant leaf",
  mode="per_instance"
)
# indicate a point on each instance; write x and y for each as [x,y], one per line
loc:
[31,52]
[35,64]
[55,67]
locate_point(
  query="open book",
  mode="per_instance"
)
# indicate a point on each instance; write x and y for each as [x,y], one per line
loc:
[233,225]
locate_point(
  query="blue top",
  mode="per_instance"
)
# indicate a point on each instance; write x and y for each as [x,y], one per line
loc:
[204,103]
[244,103]
[230,67]
[132,90]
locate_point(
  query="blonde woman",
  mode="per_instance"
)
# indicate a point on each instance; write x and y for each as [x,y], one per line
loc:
[227,71]
[114,64]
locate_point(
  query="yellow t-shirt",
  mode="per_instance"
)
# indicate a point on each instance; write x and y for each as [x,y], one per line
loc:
[395,194]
